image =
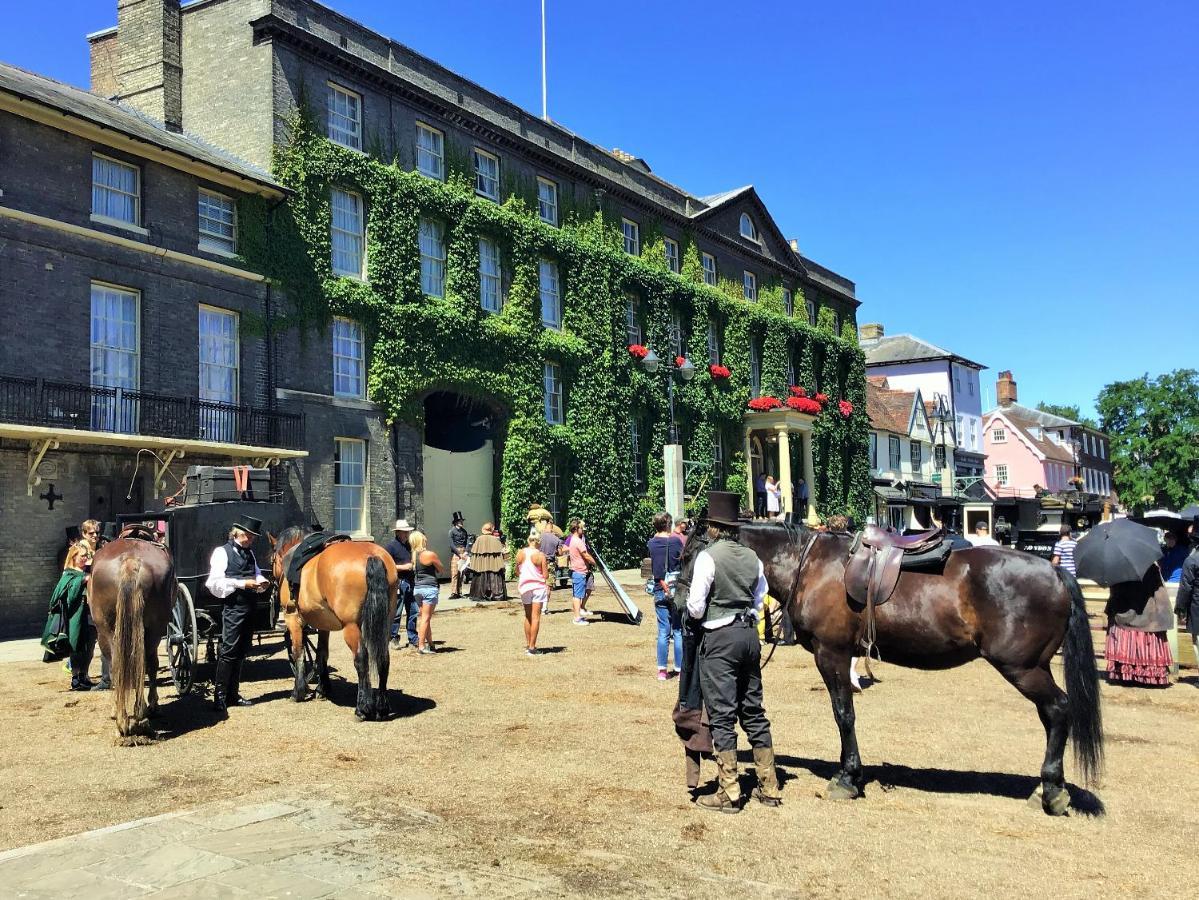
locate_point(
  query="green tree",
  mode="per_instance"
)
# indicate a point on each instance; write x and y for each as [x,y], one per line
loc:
[1154,429]
[1067,412]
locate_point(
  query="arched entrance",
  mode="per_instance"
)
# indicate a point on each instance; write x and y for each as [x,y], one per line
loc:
[460,462]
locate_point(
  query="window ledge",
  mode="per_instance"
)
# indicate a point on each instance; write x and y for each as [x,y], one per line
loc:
[349,275]
[338,143]
[487,197]
[118,223]
[217,251]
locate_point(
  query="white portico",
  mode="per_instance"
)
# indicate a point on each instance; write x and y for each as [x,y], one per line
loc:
[778,442]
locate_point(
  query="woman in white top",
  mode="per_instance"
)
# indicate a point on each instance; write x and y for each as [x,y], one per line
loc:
[774,497]
[532,574]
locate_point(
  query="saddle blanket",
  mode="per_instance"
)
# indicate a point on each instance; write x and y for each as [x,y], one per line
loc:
[304,552]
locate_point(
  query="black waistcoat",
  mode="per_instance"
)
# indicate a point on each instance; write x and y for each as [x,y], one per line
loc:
[240,562]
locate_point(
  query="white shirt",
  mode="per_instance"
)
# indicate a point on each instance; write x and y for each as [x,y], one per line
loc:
[982,540]
[218,583]
[702,575]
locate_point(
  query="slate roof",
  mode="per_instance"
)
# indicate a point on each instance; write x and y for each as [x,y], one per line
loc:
[1026,426]
[1033,415]
[897,348]
[80,104]
[888,410]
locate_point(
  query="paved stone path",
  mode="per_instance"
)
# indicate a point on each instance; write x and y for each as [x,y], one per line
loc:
[293,847]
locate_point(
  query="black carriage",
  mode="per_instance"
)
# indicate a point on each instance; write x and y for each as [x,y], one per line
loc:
[192,532]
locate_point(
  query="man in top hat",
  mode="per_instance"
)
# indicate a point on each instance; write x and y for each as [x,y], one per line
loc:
[727,587]
[459,540]
[234,577]
[406,603]
[1186,602]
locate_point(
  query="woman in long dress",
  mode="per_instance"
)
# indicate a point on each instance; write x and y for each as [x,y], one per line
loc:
[488,564]
[70,601]
[1139,614]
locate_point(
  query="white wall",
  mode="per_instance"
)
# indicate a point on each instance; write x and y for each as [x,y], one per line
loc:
[932,377]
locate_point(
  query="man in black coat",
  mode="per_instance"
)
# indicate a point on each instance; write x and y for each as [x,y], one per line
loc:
[1186,604]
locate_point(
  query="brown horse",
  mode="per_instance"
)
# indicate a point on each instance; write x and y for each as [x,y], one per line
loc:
[350,587]
[130,594]
[1012,609]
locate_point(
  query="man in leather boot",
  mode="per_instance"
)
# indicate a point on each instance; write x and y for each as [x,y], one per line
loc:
[727,796]
[728,584]
[767,792]
[234,576]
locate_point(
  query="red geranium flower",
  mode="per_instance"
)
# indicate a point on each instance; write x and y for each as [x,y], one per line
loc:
[639,350]
[718,371]
[797,391]
[678,361]
[845,407]
[805,405]
[762,404]
[821,399]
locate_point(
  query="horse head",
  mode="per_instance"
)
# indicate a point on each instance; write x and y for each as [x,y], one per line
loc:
[697,540]
[280,545]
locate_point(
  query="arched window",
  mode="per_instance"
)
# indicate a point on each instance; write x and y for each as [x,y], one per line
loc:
[747,227]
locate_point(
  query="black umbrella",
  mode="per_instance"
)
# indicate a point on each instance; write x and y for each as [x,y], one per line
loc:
[1113,552]
[1190,512]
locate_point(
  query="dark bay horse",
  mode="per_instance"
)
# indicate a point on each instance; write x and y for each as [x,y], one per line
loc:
[1012,609]
[349,587]
[130,594]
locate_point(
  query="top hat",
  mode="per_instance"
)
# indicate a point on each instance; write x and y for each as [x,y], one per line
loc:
[456,518]
[249,525]
[724,508]
[402,525]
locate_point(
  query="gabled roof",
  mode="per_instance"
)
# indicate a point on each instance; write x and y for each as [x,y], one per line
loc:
[889,410]
[763,222]
[47,95]
[1029,431]
[1033,415]
[713,201]
[901,348]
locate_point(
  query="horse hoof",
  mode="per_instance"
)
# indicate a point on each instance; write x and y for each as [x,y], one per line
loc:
[1057,803]
[838,790]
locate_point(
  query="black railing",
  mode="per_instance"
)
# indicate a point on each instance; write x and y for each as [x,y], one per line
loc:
[58,404]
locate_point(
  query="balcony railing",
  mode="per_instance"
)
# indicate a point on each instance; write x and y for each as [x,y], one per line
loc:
[58,404]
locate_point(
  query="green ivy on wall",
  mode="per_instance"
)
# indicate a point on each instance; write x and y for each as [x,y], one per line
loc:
[420,344]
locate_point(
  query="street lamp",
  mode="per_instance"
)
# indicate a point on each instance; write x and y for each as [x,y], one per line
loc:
[686,371]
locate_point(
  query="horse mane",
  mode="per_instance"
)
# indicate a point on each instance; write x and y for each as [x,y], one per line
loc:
[291,536]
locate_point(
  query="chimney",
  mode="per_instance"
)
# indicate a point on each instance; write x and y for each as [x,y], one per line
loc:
[871,331]
[1005,389]
[149,65]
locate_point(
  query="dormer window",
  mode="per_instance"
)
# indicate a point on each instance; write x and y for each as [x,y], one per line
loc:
[747,227]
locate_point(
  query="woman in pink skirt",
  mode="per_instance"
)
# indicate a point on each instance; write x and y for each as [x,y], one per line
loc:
[1138,616]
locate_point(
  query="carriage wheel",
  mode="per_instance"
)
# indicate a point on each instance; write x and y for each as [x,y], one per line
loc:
[183,641]
[309,656]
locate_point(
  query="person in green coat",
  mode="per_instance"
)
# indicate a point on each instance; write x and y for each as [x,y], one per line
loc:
[68,614]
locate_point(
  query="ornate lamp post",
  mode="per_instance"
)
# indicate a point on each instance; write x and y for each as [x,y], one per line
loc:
[651,362]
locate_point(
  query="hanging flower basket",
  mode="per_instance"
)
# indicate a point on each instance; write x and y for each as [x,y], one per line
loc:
[805,405]
[639,350]
[720,372]
[763,404]
[845,408]
[797,391]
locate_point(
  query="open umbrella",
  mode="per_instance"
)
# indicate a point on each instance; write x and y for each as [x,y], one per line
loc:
[1113,552]
[1190,512]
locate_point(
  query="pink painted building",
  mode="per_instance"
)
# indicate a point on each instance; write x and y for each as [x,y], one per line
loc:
[1030,451]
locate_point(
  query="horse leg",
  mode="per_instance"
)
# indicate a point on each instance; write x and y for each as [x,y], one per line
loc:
[323,686]
[295,634]
[1037,685]
[833,664]
[152,675]
[363,708]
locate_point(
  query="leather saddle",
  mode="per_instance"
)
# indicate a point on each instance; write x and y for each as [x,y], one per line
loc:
[309,547]
[878,557]
[138,531]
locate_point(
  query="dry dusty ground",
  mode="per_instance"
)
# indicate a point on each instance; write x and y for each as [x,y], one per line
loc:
[564,767]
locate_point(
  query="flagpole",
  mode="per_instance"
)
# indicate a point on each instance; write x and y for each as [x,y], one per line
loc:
[544,109]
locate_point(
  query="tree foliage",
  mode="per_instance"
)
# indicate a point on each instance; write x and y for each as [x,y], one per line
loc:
[1154,428]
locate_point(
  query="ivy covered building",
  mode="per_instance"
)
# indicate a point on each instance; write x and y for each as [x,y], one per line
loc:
[459,283]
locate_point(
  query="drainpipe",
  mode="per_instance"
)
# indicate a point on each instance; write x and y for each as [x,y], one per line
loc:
[269,313]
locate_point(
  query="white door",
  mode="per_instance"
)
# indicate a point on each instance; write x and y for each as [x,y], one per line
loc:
[456,482]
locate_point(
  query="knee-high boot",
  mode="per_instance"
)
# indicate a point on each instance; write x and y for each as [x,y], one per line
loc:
[768,791]
[220,685]
[727,798]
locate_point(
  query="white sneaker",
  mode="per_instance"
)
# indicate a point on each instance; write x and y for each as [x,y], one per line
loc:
[582,622]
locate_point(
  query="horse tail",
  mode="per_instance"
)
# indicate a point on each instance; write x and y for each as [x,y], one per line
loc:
[1082,685]
[376,618]
[129,637]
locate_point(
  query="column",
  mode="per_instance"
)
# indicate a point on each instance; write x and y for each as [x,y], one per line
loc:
[809,474]
[785,467]
[749,469]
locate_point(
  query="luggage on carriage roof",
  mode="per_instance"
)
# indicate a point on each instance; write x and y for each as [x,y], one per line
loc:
[220,484]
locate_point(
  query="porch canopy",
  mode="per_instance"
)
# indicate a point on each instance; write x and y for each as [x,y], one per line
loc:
[772,431]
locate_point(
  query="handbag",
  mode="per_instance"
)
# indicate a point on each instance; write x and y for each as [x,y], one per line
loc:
[57,639]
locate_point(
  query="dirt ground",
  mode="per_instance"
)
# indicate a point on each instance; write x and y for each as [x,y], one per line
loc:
[565,767]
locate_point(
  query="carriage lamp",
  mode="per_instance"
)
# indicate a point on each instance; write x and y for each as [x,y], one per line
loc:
[685,371]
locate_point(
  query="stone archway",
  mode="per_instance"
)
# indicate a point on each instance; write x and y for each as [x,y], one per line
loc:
[461,451]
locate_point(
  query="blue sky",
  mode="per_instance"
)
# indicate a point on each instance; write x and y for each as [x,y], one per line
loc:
[1018,182]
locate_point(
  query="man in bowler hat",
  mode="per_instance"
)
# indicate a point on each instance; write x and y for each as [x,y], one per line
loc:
[725,599]
[234,577]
